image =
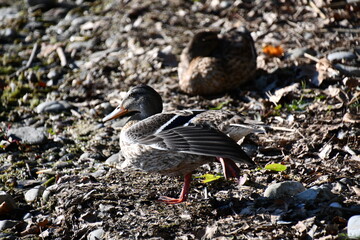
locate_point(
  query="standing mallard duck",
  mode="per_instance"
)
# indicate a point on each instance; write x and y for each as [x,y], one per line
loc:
[214,63]
[176,143]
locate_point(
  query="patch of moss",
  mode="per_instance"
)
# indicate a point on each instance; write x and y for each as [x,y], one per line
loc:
[34,102]
[296,105]
[12,60]
[18,164]
[10,96]
[7,70]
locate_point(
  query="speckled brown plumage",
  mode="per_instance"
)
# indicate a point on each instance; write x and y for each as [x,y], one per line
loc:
[214,63]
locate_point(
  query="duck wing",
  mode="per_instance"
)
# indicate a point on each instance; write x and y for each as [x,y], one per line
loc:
[198,140]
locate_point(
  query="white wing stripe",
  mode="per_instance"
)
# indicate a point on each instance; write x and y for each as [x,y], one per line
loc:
[166,124]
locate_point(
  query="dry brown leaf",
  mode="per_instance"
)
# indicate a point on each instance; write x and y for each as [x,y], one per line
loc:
[325,70]
[325,151]
[32,230]
[276,97]
[351,118]
[355,98]
[300,227]
[210,231]
[338,93]
[351,82]
[356,190]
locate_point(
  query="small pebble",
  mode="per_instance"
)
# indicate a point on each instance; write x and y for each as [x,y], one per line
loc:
[96,234]
[114,160]
[283,189]
[62,164]
[67,157]
[98,173]
[335,205]
[53,107]
[27,217]
[91,156]
[53,74]
[34,193]
[7,34]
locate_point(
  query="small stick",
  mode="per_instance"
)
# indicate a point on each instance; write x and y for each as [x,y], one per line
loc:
[29,62]
[32,56]
[312,4]
[62,56]
[315,59]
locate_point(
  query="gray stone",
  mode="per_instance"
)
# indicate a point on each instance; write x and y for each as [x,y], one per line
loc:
[335,205]
[53,74]
[8,13]
[4,224]
[283,189]
[115,160]
[53,106]
[7,34]
[28,135]
[80,45]
[28,217]
[308,195]
[297,53]
[96,234]
[33,3]
[63,164]
[34,193]
[67,157]
[5,197]
[48,192]
[353,227]
[91,156]
[98,173]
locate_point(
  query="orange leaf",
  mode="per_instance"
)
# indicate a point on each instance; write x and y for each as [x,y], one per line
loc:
[273,51]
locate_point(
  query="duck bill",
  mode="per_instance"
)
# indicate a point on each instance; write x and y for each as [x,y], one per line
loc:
[118,112]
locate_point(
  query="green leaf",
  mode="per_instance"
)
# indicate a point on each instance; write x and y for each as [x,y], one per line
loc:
[209,177]
[219,106]
[276,167]
[278,107]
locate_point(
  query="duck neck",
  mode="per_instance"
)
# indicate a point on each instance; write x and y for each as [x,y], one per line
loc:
[129,123]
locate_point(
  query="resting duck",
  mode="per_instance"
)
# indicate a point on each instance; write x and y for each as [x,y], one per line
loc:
[176,143]
[214,63]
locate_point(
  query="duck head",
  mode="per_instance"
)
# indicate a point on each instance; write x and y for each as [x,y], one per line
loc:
[139,103]
[203,43]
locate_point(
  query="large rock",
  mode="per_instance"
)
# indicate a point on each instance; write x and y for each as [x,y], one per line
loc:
[4,224]
[353,227]
[284,189]
[28,135]
[10,202]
